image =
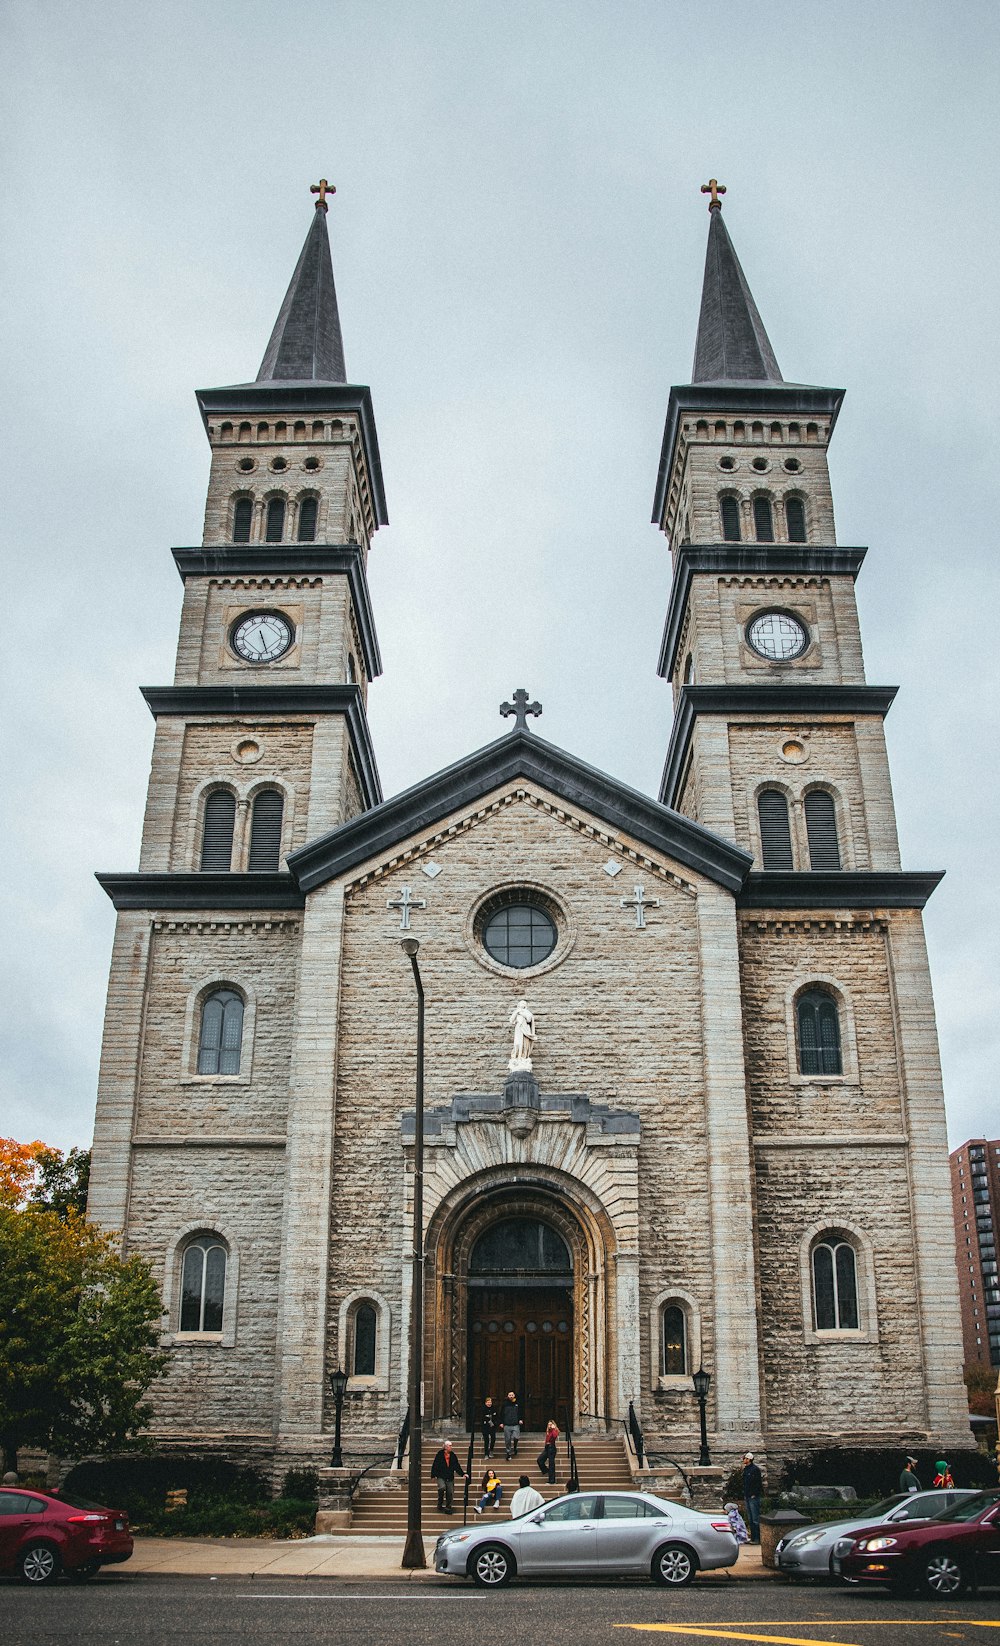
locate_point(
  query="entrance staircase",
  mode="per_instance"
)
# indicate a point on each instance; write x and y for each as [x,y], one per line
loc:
[379,1507]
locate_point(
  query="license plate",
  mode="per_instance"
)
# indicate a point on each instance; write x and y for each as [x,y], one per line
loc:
[119,1525]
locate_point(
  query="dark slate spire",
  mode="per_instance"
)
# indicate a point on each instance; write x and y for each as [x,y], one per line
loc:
[306,345]
[732,344]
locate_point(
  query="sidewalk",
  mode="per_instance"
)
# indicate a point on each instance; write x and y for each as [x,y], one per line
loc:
[330,1556]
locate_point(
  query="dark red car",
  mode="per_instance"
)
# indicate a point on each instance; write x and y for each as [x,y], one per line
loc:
[42,1535]
[956,1550]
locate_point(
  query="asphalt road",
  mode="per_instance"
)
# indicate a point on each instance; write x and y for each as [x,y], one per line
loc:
[119,1610]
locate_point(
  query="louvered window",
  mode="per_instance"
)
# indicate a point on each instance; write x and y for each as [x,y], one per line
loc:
[835,1287]
[308,509]
[795,519]
[242,520]
[221,1033]
[673,1350]
[763,523]
[203,1285]
[775,835]
[217,839]
[819,1033]
[265,831]
[730,520]
[364,1341]
[821,827]
[275,520]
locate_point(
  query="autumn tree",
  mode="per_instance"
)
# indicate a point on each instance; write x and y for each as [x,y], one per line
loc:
[34,1174]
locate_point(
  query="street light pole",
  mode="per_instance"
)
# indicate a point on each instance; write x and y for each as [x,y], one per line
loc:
[413,1551]
[701,1381]
[338,1384]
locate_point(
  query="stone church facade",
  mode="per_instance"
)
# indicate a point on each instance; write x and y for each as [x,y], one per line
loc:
[730,1150]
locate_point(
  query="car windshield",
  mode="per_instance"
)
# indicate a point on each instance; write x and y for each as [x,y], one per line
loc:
[74,1502]
[970,1509]
[889,1504]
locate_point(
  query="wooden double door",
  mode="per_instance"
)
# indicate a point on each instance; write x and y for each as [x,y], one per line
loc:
[521,1338]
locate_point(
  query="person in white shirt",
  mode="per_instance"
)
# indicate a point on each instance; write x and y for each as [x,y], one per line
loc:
[525,1498]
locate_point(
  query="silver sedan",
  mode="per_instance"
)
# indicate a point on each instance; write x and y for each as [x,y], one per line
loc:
[591,1534]
[809,1552]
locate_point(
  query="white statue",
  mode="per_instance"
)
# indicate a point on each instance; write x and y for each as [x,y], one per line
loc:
[522,1021]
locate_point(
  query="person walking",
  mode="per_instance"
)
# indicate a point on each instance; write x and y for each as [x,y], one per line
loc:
[547,1455]
[943,1476]
[525,1498]
[492,1490]
[510,1417]
[444,1469]
[753,1491]
[908,1481]
[489,1427]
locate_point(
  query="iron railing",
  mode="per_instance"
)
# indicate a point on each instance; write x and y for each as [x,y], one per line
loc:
[402,1439]
[634,1430]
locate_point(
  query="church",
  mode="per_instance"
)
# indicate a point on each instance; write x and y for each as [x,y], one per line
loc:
[683,1104]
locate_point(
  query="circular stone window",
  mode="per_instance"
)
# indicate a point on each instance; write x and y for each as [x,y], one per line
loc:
[311,463]
[727,463]
[245,464]
[519,935]
[278,464]
[761,464]
[793,465]
[519,929]
[777,636]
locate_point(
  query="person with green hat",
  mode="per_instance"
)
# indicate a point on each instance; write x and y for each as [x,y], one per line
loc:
[943,1476]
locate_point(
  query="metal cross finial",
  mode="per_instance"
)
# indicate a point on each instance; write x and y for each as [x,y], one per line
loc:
[714,188]
[640,903]
[404,903]
[322,188]
[521,708]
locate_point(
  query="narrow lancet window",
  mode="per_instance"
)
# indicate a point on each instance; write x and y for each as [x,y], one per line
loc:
[217,834]
[819,1033]
[775,834]
[763,520]
[795,519]
[242,520]
[275,520]
[730,520]
[265,832]
[821,828]
[308,509]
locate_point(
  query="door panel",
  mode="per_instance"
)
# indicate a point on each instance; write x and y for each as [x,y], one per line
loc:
[521,1339]
[562,1538]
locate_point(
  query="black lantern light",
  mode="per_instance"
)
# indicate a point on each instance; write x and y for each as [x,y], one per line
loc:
[702,1382]
[338,1387]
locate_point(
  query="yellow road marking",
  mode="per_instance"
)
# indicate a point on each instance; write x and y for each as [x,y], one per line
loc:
[705,1632]
[737,1632]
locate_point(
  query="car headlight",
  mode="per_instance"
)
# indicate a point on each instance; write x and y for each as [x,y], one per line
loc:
[805,1540]
[874,1544]
[454,1537]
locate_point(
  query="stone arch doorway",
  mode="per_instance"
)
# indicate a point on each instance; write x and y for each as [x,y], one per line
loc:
[520,1320]
[482,1268]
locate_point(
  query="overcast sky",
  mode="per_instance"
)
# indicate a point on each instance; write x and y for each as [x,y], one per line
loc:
[518,239]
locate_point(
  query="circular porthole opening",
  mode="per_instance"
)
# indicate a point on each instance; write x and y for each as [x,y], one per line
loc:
[518,928]
[777,636]
[727,463]
[793,465]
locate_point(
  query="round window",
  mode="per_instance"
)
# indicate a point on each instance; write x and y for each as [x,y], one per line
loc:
[777,636]
[521,934]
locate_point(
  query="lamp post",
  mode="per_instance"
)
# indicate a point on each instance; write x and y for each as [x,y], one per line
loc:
[338,1386]
[701,1381]
[413,1550]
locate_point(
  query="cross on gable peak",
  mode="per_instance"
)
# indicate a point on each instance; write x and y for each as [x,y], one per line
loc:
[521,708]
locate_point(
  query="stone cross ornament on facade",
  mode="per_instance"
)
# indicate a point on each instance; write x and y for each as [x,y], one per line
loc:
[640,903]
[521,708]
[522,1021]
[404,903]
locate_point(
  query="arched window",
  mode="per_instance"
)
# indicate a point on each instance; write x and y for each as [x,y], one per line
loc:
[795,519]
[821,828]
[673,1341]
[275,520]
[221,1038]
[365,1330]
[308,510]
[689,670]
[835,1286]
[763,522]
[819,1033]
[265,831]
[242,520]
[217,833]
[775,834]
[203,1285]
[730,520]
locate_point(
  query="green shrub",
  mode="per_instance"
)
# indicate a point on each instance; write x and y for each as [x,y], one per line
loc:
[874,1471]
[139,1484]
[302,1484]
[221,1517]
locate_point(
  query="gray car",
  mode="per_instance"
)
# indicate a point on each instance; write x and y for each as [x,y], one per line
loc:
[809,1552]
[591,1534]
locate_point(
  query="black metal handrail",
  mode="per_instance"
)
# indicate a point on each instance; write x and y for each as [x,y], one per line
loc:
[634,1430]
[376,1463]
[468,1476]
[402,1438]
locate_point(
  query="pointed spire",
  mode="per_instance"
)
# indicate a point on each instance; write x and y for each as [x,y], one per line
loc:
[732,344]
[306,345]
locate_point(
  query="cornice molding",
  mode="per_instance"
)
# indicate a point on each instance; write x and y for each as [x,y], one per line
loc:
[249,701]
[291,560]
[248,893]
[794,698]
[745,559]
[838,889]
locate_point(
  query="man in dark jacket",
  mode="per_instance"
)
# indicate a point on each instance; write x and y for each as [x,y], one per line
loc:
[444,1469]
[753,1490]
[510,1417]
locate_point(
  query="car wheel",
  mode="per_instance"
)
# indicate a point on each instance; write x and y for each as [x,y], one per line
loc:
[943,1576]
[39,1563]
[491,1566]
[674,1566]
[81,1574]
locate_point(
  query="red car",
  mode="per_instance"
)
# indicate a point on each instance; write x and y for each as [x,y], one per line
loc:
[42,1535]
[956,1550]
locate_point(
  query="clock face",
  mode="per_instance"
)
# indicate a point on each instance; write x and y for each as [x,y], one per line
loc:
[262,637]
[777,636]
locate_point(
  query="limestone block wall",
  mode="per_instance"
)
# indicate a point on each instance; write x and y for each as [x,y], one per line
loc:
[292,458]
[242,756]
[720,608]
[722,453]
[319,610]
